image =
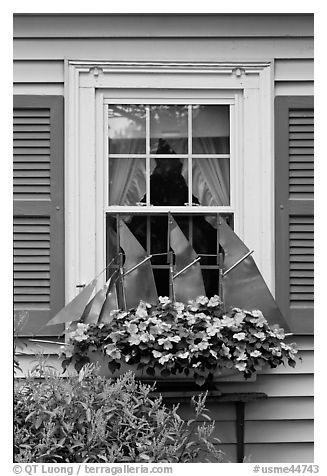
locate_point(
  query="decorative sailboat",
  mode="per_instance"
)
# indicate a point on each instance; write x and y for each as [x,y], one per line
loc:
[238,277]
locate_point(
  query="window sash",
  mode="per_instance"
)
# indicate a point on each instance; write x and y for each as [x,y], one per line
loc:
[147,207]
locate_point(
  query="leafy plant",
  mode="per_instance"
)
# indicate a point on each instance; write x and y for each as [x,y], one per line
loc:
[92,419]
[173,338]
[20,318]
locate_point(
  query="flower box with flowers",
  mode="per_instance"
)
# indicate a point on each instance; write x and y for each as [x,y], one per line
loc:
[172,340]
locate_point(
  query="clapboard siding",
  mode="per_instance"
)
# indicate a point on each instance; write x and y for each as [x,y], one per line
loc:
[38,71]
[294,70]
[278,431]
[35,89]
[177,49]
[292,88]
[275,385]
[279,453]
[303,366]
[162,25]
[280,408]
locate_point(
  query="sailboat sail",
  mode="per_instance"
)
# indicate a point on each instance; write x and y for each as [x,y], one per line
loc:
[189,284]
[138,284]
[74,310]
[244,286]
[98,309]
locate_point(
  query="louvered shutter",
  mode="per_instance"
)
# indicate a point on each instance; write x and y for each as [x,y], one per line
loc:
[294,210]
[38,212]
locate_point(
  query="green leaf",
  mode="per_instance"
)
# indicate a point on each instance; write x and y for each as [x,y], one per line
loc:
[291,363]
[165,372]
[145,359]
[150,371]
[199,379]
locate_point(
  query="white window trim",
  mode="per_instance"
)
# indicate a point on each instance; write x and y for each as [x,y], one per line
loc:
[89,86]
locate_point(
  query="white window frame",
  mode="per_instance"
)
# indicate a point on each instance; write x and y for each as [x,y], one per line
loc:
[91,86]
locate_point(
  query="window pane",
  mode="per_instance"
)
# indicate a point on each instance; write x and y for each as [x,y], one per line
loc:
[126,129]
[168,129]
[127,181]
[210,125]
[167,183]
[211,181]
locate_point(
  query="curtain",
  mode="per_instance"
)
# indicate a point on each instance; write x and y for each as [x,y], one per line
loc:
[210,176]
[127,178]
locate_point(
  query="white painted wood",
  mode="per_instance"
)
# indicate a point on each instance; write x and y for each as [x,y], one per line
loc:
[278,431]
[294,70]
[101,164]
[300,385]
[164,49]
[252,116]
[280,453]
[298,88]
[87,186]
[176,80]
[38,71]
[295,408]
[156,25]
[302,367]
[302,342]
[39,88]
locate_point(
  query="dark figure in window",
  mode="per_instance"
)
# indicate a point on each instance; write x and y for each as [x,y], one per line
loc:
[168,188]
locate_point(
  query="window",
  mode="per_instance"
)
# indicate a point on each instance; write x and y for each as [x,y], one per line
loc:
[195,97]
[169,157]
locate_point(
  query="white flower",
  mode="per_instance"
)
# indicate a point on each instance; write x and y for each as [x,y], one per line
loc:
[239,336]
[141,310]
[132,328]
[156,354]
[239,318]
[112,351]
[183,355]
[255,353]
[214,328]
[278,332]
[196,365]
[115,336]
[167,341]
[241,366]
[164,300]
[228,321]
[259,319]
[202,300]
[275,351]
[190,319]
[214,301]
[226,350]
[118,314]
[79,333]
[67,350]
[201,346]
[179,306]
[145,337]
[134,339]
[260,335]
[242,356]
[165,358]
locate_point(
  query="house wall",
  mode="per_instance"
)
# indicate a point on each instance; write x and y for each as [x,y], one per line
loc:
[279,429]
